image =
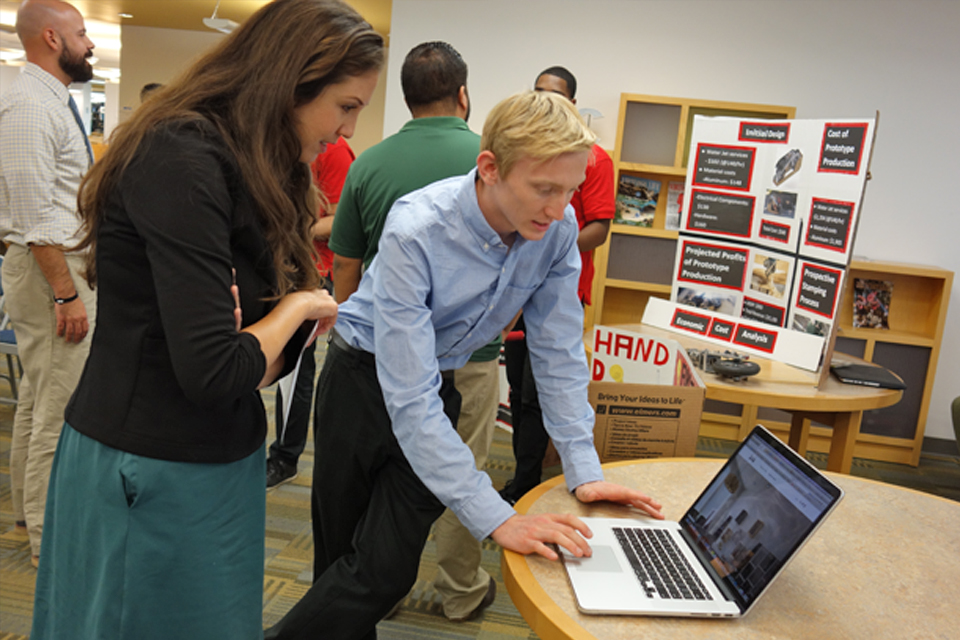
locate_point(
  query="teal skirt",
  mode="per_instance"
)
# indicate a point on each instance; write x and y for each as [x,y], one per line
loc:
[136,548]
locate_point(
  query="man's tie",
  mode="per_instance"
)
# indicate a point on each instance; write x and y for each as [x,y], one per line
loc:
[76,116]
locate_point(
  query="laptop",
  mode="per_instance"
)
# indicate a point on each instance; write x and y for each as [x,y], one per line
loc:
[726,551]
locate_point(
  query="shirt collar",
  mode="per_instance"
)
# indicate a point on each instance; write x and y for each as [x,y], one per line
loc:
[473,217]
[48,79]
[435,122]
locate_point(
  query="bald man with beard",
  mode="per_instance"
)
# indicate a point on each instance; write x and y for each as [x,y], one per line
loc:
[45,155]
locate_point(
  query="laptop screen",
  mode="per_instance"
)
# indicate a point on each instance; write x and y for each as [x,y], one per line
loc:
[758,510]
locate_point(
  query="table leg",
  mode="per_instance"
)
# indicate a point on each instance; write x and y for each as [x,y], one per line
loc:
[748,420]
[799,433]
[846,428]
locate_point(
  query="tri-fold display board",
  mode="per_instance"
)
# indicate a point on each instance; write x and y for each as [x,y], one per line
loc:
[769,217]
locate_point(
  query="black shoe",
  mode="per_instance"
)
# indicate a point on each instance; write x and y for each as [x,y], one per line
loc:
[279,472]
[393,612]
[510,493]
[488,599]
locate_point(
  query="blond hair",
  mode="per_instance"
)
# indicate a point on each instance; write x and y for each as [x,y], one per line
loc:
[536,124]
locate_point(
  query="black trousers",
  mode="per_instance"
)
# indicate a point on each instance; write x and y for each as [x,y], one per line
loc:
[371,513]
[292,436]
[530,438]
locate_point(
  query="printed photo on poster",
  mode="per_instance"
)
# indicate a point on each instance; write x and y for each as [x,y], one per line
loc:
[780,203]
[787,165]
[810,325]
[770,275]
[715,300]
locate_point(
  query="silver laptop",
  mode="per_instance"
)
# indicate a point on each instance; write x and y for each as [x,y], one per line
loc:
[728,548]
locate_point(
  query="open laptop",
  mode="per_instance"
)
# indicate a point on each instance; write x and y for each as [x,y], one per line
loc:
[749,522]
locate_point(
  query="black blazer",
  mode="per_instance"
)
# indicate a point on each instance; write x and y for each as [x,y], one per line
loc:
[168,375]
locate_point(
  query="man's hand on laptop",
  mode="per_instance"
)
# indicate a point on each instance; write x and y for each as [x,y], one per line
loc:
[532,534]
[601,490]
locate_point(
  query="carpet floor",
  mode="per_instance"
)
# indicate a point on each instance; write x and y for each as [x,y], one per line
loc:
[289,554]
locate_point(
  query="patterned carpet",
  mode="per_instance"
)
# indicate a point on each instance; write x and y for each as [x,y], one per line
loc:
[289,548]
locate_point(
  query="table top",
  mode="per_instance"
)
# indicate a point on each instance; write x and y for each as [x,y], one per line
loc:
[883,566]
[781,386]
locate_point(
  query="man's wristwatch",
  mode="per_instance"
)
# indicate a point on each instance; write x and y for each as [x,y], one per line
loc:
[66,300]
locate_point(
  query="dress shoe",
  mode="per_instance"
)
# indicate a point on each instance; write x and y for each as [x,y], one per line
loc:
[488,599]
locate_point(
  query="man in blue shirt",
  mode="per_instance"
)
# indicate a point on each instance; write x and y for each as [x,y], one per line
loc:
[457,260]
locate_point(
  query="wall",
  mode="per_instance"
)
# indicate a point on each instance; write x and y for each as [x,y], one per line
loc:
[829,59]
[160,55]
[156,55]
[8,75]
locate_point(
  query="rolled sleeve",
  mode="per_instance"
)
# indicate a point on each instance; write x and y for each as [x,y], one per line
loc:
[29,171]
[554,321]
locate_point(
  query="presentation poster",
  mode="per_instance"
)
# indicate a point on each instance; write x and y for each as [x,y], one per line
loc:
[767,225]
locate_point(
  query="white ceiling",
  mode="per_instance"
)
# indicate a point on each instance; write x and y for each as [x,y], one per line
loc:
[103,21]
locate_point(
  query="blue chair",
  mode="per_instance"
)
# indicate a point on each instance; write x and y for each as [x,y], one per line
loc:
[8,347]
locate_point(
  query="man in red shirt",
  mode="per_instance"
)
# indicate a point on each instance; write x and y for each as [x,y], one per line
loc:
[594,205]
[329,171]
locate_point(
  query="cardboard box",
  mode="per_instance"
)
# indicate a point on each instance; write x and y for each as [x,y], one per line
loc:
[646,394]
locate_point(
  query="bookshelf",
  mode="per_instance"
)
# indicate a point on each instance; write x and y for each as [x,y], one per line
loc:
[637,263]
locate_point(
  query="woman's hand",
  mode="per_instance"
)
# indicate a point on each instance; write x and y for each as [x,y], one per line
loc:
[237,311]
[319,306]
[274,330]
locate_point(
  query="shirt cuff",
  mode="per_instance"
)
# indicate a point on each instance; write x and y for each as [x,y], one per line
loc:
[484,513]
[581,465]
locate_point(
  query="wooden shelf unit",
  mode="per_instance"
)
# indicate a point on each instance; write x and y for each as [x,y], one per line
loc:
[910,348]
[637,263]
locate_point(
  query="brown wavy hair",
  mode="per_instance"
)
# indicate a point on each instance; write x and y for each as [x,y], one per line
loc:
[248,87]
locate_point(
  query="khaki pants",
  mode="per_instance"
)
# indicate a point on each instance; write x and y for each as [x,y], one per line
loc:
[460,581]
[51,370]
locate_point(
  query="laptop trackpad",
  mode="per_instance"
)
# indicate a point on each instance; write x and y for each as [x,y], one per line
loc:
[602,560]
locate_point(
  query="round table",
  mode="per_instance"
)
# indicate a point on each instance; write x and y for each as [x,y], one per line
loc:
[781,386]
[884,565]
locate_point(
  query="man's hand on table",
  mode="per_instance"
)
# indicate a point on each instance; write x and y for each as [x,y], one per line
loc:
[601,490]
[532,534]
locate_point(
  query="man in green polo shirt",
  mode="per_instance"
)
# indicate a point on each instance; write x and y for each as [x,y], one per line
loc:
[434,145]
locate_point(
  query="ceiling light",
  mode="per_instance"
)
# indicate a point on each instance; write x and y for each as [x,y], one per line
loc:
[10,54]
[219,24]
[107,73]
[125,15]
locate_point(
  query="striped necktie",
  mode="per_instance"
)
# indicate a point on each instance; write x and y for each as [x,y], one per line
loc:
[76,116]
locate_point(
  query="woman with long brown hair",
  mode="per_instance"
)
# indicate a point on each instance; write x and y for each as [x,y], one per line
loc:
[197,225]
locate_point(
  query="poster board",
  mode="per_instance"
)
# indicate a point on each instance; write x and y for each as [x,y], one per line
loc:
[767,228]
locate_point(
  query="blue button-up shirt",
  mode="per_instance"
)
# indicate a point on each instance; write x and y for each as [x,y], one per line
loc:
[443,285]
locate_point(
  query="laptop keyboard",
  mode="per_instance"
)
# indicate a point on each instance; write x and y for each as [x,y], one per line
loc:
[660,566]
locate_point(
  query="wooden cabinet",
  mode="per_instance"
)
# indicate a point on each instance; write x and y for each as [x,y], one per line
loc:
[653,142]
[910,348]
